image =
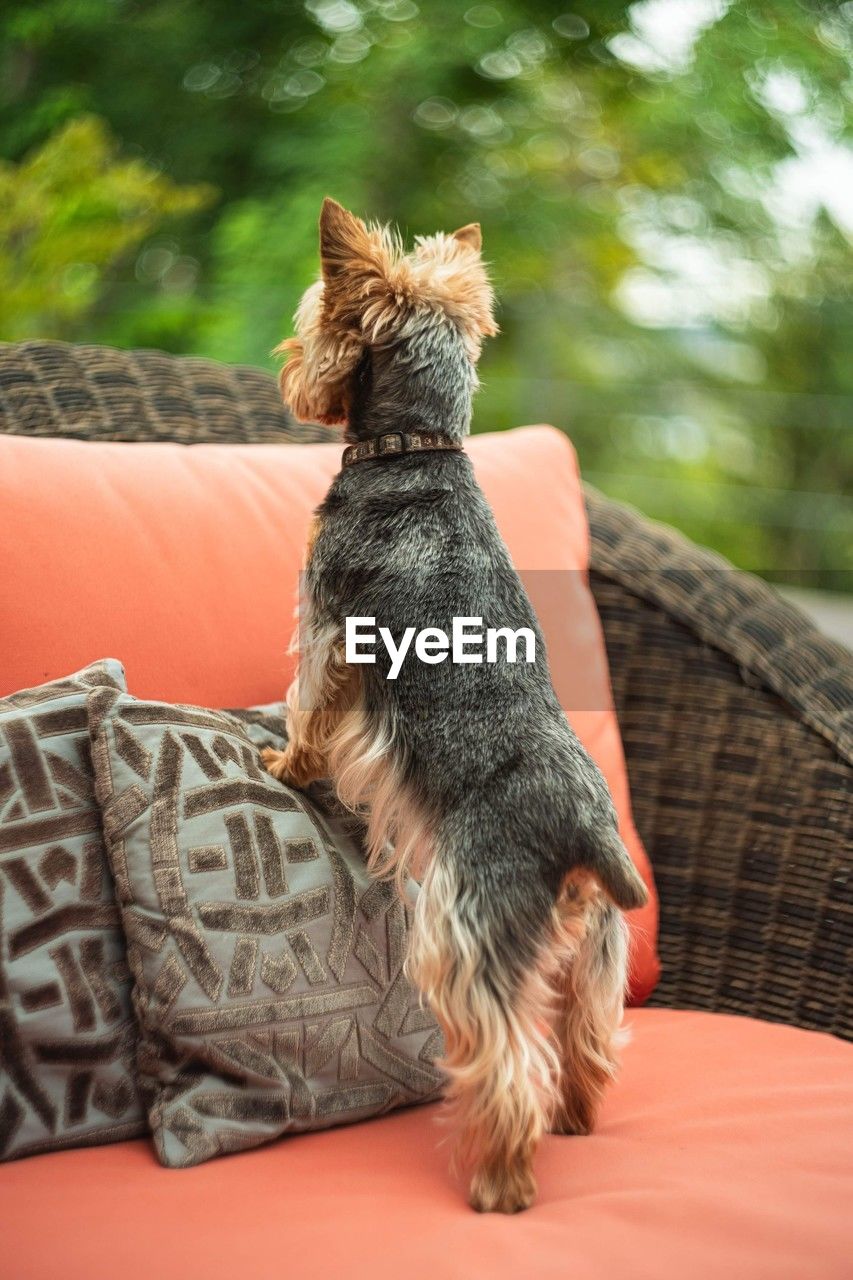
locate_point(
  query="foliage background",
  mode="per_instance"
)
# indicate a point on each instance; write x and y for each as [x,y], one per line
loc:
[666,191]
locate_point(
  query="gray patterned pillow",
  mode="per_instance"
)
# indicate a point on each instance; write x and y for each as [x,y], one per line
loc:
[267,966]
[67,1032]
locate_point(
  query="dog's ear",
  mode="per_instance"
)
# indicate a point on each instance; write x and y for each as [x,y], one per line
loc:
[354,260]
[343,239]
[330,323]
[448,273]
[470,235]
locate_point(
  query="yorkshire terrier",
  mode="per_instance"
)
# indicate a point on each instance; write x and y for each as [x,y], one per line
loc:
[468,775]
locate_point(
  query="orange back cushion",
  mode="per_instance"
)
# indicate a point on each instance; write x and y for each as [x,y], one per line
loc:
[184,563]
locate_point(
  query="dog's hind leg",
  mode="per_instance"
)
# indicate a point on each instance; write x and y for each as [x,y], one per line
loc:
[482,973]
[592,953]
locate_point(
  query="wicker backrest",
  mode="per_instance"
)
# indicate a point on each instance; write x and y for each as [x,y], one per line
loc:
[97,393]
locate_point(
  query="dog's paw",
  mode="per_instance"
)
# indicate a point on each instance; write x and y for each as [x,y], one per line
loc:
[502,1190]
[276,763]
[566,1128]
[576,1120]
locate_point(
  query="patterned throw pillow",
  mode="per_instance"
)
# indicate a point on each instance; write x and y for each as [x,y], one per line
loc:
[67,1033]
[267,966]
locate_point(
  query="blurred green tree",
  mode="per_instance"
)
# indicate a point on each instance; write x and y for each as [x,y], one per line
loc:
[666,190]
[68,211]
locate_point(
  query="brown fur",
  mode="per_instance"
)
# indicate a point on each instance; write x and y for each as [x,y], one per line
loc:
[489,1035]
[330,736]
[553,1044]
[590,994]
[368,286]
[311,733]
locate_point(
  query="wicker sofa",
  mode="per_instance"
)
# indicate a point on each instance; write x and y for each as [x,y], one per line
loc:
[736,713]
[724,1149]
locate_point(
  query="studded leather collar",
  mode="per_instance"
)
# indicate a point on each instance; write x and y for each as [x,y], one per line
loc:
[393,444]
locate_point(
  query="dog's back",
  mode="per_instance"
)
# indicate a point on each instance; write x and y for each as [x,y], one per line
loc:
[415,545]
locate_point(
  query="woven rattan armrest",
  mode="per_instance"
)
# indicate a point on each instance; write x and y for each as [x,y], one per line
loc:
[737,719]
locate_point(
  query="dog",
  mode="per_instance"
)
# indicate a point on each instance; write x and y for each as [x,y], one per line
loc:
[468,776]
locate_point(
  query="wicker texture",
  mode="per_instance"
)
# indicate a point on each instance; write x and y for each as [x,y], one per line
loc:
[736,718]
[96,393]
[737,715]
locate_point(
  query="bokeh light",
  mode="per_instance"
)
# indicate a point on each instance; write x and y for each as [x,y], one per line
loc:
[665,189]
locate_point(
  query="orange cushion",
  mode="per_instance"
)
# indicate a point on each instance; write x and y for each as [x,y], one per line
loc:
[724,1150]
[183,563]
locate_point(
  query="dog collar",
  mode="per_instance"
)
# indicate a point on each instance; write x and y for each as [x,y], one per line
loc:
[392,444]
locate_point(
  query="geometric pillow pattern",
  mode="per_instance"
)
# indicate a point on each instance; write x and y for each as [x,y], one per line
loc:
[267,964]
[67,1033]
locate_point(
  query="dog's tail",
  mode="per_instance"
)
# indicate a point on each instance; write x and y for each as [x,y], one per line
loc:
[603,853]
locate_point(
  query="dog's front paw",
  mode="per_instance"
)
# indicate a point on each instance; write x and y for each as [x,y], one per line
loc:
[277,763]
[294,768]
[499,1190]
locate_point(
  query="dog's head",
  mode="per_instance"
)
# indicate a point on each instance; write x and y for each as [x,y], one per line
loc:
[372,293]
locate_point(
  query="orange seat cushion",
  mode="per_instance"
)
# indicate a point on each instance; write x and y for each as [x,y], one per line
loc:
[184,564]
[724,1150]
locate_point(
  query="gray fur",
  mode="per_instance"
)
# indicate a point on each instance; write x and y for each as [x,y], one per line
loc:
[486,748]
